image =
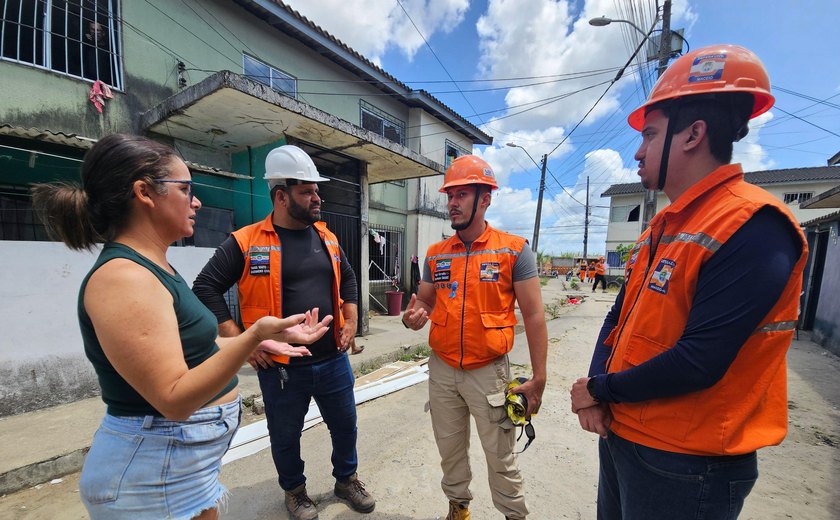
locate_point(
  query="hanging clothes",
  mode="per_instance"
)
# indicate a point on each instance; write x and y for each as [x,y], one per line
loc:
[415,275]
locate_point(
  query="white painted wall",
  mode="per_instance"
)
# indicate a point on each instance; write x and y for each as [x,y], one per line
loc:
[42,360]
[803,215]
[627,232]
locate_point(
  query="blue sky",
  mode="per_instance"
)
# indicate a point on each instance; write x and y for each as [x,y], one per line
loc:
[482,44]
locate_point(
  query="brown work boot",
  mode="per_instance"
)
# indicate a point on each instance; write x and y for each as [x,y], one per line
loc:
[300,506]
[458,512]
[353,491]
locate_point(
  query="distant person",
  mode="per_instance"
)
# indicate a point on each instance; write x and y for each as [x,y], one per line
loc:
[471,283]
[582,271]
[688,376]
[288,262]
[590,272]
[169,383]
[600,275]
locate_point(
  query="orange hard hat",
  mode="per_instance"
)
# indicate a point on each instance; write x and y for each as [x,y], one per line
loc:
[716,69]
[469,169]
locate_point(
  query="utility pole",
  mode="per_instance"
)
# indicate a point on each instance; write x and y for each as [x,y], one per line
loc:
[664,56]
[586,221]
[536,240]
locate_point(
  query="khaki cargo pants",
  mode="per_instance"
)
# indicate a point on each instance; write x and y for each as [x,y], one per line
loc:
[454,395]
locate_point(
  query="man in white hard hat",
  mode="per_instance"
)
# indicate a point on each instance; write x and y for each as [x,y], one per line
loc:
[310,270]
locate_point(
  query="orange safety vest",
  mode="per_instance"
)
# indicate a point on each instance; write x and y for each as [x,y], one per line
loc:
[747,408]
[473,317]
[600,268]
[260,293]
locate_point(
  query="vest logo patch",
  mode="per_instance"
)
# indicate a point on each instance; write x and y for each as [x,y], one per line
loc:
[662,275]
[489,272]
[258,263]
[443,270]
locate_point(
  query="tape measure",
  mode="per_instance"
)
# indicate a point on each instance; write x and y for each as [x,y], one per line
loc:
[517,410]
[516,404]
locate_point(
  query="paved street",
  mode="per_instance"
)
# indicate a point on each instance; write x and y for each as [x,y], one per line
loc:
[399,461]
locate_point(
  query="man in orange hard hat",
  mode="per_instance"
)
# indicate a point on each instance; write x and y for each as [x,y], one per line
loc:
[470,285]
[600,275]
[688,376]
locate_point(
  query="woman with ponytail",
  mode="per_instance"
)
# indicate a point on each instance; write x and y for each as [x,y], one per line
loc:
[168,381]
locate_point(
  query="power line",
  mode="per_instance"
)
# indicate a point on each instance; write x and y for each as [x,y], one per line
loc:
[777,107]
[436,57]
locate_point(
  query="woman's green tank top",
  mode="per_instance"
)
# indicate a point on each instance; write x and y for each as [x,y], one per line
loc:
[197,327]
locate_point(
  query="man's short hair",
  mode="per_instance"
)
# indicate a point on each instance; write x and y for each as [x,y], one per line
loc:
[726,117]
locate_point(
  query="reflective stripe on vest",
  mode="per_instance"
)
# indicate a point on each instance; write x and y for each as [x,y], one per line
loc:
[747,408]
[473,318]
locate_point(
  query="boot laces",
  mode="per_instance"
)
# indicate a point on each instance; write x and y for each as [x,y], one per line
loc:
[302,499]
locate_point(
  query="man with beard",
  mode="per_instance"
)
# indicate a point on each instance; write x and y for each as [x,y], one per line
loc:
[470,284]
[310,270]
[688,378]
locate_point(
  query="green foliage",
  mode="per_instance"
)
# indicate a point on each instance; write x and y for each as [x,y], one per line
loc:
[419,352]
[623,252]
[408,353]
[554,309]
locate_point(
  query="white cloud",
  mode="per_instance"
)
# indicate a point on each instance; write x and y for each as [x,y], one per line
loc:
[532,38]
[748,152]
[509,162]
[372,26]
[562,220]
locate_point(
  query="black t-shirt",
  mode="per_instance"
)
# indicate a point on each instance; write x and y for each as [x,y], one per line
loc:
[306,282]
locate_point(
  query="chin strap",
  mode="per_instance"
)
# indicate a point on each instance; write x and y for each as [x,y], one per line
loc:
[673,115]
[474,209]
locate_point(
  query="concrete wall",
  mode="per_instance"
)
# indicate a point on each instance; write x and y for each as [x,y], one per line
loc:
[44,99]
[42,361]
[826,329]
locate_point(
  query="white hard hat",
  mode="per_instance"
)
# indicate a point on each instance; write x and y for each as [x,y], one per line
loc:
[290,162]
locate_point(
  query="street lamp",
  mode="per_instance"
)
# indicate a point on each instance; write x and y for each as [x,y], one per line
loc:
[601,21]
[664,52]
[536,240]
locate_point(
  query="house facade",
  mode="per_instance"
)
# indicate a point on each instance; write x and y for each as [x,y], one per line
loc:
[820,303]
[792,186]
[223,82]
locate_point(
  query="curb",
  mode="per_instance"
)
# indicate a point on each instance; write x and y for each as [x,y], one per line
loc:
[61,465]
[44,471]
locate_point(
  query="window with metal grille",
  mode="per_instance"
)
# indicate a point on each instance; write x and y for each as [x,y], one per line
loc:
[791,198]
[18,220]
[212,227]
[382,123]
[385,247]
[453,151]
[269,76]
[80,38]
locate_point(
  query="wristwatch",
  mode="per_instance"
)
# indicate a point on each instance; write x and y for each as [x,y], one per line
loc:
[590,387]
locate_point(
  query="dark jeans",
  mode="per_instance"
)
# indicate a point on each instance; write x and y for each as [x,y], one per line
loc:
[330,383]
[641,483]
[600,278]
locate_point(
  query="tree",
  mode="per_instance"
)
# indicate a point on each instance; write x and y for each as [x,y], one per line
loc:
[623,251]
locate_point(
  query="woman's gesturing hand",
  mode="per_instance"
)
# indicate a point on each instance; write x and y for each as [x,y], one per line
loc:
[301,329]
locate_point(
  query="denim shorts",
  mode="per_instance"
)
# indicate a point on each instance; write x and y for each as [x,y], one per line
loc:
[153,468]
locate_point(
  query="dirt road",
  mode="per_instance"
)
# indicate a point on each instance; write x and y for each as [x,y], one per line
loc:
[399,462]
